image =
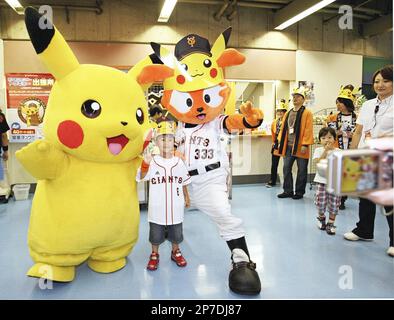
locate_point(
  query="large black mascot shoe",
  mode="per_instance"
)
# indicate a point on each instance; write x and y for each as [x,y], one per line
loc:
[244,279]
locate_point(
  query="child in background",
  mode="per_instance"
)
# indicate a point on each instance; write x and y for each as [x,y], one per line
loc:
[168,177]
[323,199]
[344,122]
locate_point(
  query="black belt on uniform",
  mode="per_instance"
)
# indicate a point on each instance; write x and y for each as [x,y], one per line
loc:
[209,167]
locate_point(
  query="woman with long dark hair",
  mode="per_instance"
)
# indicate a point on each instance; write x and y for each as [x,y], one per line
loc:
[374,121]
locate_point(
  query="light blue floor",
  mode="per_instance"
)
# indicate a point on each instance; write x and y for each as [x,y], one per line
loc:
[294,258]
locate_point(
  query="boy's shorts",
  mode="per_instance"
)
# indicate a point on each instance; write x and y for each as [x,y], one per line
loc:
[158,233]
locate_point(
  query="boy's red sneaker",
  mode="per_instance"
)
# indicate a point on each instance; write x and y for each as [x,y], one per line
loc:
[178,258]
[153,261]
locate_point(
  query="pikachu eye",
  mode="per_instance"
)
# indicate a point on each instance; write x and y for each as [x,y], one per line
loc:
[181,101]
[91,109]
[212,96]
[184,66]
[207,63]
[140,116]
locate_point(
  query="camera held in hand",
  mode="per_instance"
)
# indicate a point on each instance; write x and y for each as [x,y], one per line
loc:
[351,172]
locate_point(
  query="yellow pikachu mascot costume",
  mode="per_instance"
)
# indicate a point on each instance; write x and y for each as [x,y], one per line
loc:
[196,95]
[85,206]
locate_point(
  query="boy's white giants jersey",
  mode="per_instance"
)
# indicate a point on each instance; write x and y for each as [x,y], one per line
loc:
[202,145]
[166,180]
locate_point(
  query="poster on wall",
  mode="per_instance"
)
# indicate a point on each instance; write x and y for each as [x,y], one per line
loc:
[308,87]
[27,98]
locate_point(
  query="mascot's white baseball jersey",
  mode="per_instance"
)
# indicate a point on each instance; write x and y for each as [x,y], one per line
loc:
[207,162]
[201,145]
[166,178]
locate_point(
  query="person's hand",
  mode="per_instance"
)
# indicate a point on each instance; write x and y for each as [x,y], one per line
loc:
[304,149]
[148,137]
[180,155]
[148,157]
[148,153]
[329,146]
[5,155]
[187,202]
[381,197]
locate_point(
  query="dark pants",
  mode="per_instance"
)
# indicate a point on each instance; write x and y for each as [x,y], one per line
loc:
[274,168]
[365,227]
[302,173]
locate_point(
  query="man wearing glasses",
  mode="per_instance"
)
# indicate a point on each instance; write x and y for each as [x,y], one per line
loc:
[375,120]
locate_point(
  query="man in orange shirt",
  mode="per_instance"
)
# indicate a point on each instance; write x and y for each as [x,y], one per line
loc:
[295,137]
[275,128]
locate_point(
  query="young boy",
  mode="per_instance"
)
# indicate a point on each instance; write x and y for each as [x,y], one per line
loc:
[168,177]
[324,199]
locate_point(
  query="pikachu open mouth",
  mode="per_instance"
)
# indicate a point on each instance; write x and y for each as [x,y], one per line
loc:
[116,144]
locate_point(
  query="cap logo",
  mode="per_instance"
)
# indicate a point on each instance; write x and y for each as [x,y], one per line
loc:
[191,41]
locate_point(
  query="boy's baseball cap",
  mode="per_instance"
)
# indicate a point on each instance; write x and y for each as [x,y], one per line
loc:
[165,127]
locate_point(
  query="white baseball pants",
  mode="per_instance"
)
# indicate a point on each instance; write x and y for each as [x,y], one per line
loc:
[208,193]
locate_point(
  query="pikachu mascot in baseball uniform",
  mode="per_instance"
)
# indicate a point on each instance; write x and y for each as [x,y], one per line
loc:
[85,206]
[196,95]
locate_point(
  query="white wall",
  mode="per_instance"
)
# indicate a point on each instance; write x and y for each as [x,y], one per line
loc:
[282,90]
[267,101]
[328,71]
[251,155]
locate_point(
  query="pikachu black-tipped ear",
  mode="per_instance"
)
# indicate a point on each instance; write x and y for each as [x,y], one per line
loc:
[50,45]
[40,38]
[164,55]
[221,42]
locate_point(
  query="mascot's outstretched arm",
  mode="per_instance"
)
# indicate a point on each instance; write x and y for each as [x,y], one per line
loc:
[248,119]
[42,160]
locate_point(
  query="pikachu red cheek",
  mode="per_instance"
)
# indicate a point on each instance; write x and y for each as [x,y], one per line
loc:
[180,79]
[213,73]
[70,134]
